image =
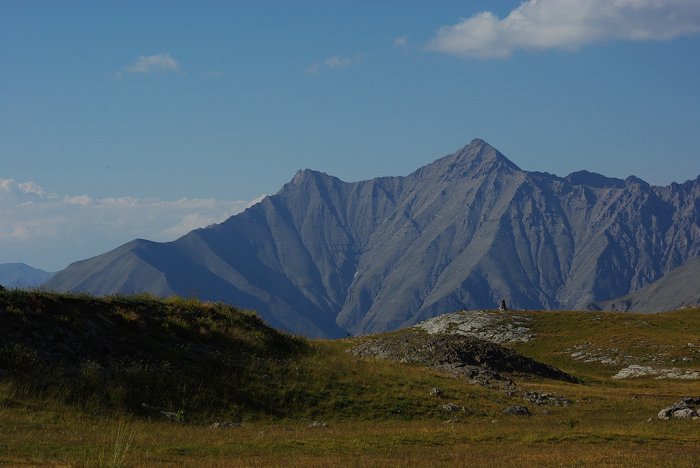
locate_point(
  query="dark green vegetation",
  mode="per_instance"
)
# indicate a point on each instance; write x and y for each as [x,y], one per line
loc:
[201,361]
[121,352]
[75,370]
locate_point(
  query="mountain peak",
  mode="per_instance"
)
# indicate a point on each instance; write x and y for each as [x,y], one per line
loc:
[476,157]
[482,153]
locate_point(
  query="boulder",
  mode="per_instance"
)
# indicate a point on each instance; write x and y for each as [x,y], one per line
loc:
[686,408]
[451,407]
[685,413]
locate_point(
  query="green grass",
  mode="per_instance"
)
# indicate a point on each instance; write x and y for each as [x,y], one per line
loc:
[206,361]
[658,340]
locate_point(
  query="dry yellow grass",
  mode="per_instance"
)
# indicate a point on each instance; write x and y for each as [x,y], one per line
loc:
[604,427]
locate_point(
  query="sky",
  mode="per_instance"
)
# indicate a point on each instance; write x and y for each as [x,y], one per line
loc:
[146,119]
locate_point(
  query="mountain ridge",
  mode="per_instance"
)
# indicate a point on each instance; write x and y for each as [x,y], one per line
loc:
[16,275]
[324,257]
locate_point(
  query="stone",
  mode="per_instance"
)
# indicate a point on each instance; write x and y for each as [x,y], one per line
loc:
[318,424]
[172,416]
[685,413]
[516,410]
[686,408]
[546,399]
[451,407]
[489,326]
[635,370]
[436,392]
[224,425]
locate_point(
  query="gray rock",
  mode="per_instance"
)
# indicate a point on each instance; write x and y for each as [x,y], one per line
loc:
[451,407]
[546,399]
[461,356]
[318,425]
[436,392]
[224,425]
[487,325]
[686,408]
[634,370]
[516,410]
[685,413]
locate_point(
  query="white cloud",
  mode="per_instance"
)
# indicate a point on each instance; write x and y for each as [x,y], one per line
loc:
[333,63]
[49,231]
[567,25]
[312,68]
[158,63]
[401,41]
[338,61]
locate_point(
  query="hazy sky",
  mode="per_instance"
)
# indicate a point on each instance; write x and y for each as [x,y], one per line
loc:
[124,119]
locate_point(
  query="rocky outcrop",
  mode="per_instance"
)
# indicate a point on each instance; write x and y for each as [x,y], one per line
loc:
[634,370]
[687,408]
[516,410]
[467,357]
[496,327]
[546,399]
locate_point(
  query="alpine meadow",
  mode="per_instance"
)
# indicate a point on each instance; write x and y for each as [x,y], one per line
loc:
[350,233]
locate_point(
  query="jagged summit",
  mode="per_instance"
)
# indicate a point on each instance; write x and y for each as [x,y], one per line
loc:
[472,160]
[481,152]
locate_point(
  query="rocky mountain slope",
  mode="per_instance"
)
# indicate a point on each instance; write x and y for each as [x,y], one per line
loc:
[678,288]
[325,257]
[21,275]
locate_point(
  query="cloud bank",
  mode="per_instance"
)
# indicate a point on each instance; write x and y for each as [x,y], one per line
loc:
[567,25]
[49,230]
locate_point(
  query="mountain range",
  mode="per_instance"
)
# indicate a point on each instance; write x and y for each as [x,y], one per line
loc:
[324,257]
[16,275]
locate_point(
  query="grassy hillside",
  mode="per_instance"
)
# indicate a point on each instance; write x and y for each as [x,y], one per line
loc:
[76,370]
[595,345]
[202,361]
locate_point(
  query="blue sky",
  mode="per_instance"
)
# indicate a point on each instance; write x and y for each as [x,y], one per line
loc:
[172,111]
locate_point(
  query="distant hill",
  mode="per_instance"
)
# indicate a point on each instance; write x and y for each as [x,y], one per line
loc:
[17,275]
[325,257]
[678,288]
